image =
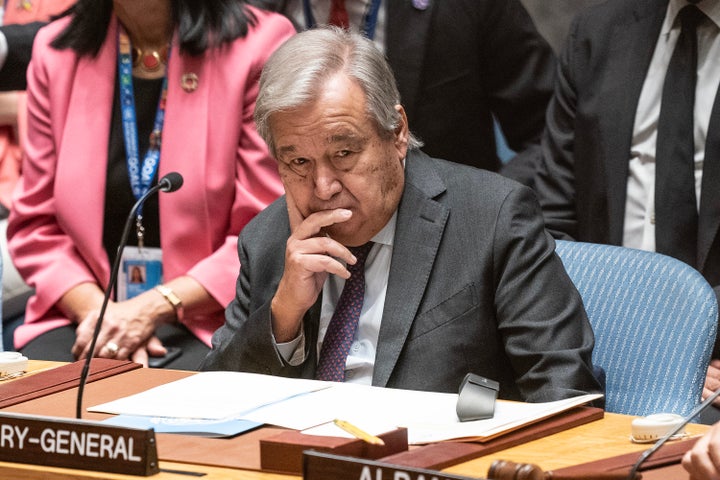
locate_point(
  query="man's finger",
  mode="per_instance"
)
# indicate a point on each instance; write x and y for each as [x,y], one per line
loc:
[325,264]
[313,225]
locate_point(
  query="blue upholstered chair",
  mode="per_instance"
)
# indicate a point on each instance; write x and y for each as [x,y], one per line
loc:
[655,320]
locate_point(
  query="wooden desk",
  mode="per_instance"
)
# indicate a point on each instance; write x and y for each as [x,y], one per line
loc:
[593,441]
[35,366]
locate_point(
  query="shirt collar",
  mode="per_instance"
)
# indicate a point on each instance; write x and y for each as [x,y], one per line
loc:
[386,236]
[711,8]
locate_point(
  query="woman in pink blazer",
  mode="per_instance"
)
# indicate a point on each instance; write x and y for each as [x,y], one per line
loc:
[193,67]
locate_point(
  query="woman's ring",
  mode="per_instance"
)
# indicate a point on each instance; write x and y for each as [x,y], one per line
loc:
[112,348]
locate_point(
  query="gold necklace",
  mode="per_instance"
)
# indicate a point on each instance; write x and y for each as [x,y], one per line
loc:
[149,60]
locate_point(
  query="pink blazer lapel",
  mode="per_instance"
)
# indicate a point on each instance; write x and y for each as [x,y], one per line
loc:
[82,164]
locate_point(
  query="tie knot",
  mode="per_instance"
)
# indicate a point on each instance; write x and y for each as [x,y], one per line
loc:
[361,254]
[690,17]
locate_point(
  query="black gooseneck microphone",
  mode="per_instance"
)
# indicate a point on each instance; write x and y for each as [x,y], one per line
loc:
[647,453]
[169,183]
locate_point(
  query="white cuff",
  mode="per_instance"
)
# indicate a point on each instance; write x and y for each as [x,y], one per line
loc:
[293,352]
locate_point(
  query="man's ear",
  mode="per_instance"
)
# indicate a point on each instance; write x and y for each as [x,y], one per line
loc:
[402,132]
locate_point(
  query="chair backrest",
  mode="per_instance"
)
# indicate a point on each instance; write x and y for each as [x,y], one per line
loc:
[655,321]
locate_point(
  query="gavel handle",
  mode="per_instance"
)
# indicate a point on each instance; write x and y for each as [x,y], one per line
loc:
[591,476]
[507,470]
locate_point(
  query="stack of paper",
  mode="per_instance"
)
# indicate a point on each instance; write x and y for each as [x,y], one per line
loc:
[204,399]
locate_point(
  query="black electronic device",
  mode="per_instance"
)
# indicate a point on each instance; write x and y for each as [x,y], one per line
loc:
[476,399]
[160,362]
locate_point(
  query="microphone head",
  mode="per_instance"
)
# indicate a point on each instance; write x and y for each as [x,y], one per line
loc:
[171,182]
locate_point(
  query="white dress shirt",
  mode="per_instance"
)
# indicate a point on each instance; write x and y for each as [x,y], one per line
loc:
[639,226]
[356,13]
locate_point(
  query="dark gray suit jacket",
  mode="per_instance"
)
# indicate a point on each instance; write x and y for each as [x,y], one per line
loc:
[474,286]
[582,179]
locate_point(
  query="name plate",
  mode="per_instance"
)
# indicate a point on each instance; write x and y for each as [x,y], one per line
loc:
[327,466]
[79,444]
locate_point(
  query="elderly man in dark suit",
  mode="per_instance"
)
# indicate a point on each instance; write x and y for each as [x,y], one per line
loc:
[460,275]
[631,153]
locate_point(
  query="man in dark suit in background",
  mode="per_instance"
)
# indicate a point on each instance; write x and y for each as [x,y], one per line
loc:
[553,18]
[15,51]
[457,63]
[631,152]
[460,276]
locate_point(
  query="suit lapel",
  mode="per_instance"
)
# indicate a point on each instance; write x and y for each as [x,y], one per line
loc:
[406,41]
[420,224]
[709,219]
[629,57]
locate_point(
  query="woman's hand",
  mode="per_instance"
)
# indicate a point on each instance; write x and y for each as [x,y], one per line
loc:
[127,330]
[130,325]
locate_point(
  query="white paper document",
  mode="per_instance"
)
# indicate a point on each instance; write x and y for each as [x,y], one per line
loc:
[302,404]
[211,396]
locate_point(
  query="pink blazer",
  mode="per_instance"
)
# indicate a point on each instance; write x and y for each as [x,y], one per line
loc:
[55,229]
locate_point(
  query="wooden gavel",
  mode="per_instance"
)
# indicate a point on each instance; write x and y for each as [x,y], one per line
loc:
[506,470]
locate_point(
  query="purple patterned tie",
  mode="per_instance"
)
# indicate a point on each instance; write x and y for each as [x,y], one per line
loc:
[341,330]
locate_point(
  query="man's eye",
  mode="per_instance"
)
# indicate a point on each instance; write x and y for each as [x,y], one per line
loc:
[343,153]
[300,166]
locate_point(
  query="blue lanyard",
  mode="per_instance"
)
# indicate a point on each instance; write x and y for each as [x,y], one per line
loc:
[369,22]
[141,176]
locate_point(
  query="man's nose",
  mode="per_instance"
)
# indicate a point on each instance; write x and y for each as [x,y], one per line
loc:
[327,183]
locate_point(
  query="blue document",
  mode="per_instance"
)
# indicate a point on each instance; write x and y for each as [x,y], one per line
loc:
[185,426]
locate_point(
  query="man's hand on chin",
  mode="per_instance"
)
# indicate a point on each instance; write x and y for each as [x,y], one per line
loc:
[309,258]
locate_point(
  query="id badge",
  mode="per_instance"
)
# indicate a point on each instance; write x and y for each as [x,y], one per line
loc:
[140,270]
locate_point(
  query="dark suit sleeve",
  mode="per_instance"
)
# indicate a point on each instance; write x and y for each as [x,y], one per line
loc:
[546,333]
[245,342]
[520,75]
[20,40]
[555,177]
